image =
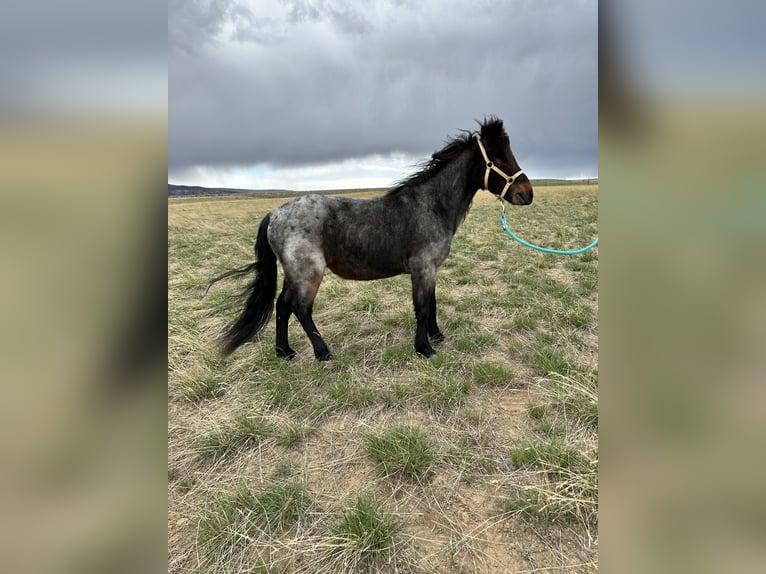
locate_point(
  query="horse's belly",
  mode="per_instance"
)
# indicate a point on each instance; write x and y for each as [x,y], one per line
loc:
[363,271]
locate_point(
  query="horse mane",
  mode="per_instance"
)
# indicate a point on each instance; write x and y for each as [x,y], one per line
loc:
[454,147]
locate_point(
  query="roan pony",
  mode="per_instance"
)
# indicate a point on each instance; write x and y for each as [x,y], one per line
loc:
[407,230]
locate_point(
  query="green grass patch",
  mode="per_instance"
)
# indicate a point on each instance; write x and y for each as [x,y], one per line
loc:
[186,484]
[492,374]
[445,363]
[281,505]
[229,519]
[547,338]
[200,385]
[576,398]
[524,323]
[346,393]
[181,481]
[537,410]
[579,317]
[402,451]
[201,389]
[469,304]
[244,430]
[463,275]
[474,342]
[399,354]
[575,265]
[368,304]
[474,416]
[551,428]
[299,392]
[397,394]
[571,497]
[403,320]
[293,433]
[534,506]
[588,256]
[552,455]
[587,283]
[461,324]
[286,468]
[365,536]
[442,393]
[547,359]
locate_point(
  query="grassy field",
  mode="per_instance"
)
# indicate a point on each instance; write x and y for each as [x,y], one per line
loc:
[481,459]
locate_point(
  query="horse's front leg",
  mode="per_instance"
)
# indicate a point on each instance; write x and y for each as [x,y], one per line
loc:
[424,300]
[434,333]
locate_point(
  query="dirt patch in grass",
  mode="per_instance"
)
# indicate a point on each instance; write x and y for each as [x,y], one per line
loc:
[453,530]
[560,273]
[334,461]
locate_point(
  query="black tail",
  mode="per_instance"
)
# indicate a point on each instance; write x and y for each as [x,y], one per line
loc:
[261,293]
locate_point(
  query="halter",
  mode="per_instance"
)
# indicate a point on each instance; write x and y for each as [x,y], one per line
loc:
[509,179]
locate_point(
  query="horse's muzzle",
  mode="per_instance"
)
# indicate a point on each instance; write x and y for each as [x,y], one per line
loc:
[523,195]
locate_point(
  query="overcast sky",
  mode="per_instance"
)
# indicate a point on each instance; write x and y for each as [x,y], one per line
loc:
[333,94]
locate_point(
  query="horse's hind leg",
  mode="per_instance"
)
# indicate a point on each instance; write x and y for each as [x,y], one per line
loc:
[284,310]
[303,294]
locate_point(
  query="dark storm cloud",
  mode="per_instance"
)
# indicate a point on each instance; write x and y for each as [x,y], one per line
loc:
[307,82]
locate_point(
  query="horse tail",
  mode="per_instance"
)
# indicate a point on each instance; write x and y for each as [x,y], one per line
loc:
[260,293]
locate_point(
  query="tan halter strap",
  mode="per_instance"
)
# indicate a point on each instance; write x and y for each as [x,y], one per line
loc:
[490,166]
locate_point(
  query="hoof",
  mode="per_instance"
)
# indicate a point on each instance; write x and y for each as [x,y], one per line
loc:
[426,352]
[324,356]
[437,338]
[287,354]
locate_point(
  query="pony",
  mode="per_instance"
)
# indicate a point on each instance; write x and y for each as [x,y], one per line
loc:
[408,230]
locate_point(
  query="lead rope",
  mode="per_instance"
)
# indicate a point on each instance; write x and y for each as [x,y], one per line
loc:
[510,233]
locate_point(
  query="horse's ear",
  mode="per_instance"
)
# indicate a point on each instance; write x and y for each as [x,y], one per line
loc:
[492,128]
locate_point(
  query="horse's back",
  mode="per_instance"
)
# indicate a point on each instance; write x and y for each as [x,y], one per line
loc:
[303,219]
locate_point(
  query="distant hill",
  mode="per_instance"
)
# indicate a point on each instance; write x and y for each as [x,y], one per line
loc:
[199,191]
[196,190]
[551,182]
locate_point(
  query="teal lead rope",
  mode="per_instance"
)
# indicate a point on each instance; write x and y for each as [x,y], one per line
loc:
[510,233]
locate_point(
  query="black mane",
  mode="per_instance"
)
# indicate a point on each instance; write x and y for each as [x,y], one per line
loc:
[454,147]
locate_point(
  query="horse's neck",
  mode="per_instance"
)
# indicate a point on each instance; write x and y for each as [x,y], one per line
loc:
[449,193]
